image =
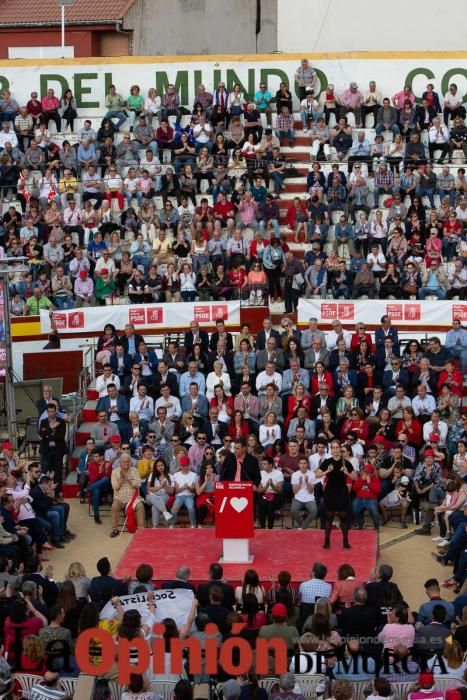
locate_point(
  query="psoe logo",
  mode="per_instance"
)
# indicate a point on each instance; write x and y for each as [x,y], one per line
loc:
[202,314]
[137,316]
[155,315]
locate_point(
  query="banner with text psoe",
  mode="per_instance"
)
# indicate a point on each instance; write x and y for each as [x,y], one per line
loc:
[162,317]
[419,314]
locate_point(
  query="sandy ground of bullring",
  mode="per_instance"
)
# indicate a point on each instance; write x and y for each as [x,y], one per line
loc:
[410,557]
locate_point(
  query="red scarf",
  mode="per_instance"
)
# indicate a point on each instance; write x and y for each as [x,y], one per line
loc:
[131,523]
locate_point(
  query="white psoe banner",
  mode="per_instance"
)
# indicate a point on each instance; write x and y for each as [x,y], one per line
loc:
[162,317]
[419,314]
[175,603]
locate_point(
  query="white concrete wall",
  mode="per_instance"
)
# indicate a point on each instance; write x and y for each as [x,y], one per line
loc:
[172,27]
[336,25]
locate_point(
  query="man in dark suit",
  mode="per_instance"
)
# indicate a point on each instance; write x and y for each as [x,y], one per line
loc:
[216,572]
[266,332]
[222,355]
[360,619]
[241,466]
[104,583]
[131,340]
[271,353]
[196,335]
[216,610]
[221,334]
[148,361]
[321,401]
[120,361]
[387,331]
[180,581]
[424,115]
[115,405]
[163,376]
[175,358]
[384,357]
[52,431]
[214,428]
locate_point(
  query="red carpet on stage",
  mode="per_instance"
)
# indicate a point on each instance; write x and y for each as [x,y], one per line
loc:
[273,550]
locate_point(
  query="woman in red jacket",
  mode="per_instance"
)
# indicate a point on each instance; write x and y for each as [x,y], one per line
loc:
[410,426]
[298,398]
[452,377]
[356,424]
[321,376]
[223,403]
[239,427]
[297,219]
[358,336]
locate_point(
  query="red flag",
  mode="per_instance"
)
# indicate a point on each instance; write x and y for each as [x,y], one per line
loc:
[131,524]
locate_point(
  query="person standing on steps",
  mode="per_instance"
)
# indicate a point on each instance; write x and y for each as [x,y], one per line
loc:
[339,475]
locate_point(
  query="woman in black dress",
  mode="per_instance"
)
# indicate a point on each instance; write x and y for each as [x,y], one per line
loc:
[336,497]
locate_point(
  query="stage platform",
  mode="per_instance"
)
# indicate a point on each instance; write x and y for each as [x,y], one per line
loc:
[295,550]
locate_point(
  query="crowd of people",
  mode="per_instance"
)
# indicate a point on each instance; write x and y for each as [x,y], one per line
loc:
[165,212]
[347,631]
[328,426]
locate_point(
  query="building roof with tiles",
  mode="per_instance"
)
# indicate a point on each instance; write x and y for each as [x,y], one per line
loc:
[19,13]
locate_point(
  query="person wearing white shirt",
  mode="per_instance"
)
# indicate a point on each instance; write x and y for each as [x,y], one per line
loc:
[437,427]
[372,101]
[105,379]
[303,484]
[438,140]
[218,376]
[105,261]
[142,404]
[423,404]
[376,259]
[7,136]
[453,106]
[336,334]
[270,431]
[269,492]
[184,482]
[170,403]
[317,458]
[268,376]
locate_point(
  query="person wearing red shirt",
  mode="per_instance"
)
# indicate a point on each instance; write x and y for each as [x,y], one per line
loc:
[297,218]
[321,376]
[99,473]
[239,427]
[452,377]
[23,619]
[50,105]
[223,209]
[410,426]
[295,401]
[358,336]
[237,276]
[355,424]
[452,231]
[367,488]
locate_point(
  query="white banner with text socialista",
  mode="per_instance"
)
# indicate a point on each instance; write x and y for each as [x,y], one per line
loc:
[158,317]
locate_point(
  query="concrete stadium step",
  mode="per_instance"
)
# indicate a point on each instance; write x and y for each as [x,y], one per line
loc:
[74,459]
[70,488]
[88,413]
[83,432]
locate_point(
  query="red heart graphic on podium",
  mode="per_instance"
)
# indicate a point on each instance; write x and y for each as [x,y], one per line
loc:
[239,504]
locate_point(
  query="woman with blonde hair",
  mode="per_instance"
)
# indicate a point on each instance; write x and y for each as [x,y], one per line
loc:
[77,575]
[453,660]
[322,607]
[33,655]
